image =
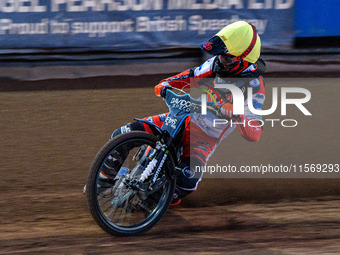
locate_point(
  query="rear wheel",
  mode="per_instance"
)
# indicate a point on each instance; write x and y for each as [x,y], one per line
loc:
[116,204]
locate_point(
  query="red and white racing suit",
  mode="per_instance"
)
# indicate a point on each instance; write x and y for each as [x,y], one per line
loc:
[200,139]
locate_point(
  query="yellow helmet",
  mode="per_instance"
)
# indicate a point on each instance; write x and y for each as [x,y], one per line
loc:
[239,39]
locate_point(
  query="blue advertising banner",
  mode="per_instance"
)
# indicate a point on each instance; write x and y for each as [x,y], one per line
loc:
[320,19]
[136,25]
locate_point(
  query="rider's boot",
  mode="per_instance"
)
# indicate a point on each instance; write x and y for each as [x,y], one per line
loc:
[178,195]
[110,170]
[112,164]
[115,161]
[187,180]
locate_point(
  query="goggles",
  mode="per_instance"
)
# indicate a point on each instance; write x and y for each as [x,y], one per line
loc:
[226,59]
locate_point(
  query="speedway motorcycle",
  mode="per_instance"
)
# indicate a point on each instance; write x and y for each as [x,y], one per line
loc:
[140,190]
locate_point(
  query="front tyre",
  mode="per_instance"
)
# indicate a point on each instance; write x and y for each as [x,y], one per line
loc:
[116,206]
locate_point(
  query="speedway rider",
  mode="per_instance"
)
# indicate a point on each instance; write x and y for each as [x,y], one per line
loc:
[236,50]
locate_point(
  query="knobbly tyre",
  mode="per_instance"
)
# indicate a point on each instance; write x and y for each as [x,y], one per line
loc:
[141,185]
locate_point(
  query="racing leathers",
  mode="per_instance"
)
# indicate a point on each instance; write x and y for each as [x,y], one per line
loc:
[201,137]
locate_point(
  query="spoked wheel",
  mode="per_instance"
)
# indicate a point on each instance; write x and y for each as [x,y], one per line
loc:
[117,204]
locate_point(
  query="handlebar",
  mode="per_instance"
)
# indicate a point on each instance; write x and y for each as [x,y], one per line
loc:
[195,105]
[163,91]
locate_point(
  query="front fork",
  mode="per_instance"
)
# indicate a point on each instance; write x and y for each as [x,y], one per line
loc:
[157,159]
[153,169]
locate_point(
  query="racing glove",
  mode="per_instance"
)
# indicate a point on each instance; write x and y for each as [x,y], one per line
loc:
[227,110]
[160,88]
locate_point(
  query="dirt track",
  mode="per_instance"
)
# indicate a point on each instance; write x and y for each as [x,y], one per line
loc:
[305,227]
[48,140]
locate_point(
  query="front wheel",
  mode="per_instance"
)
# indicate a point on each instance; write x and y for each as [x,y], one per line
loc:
[117,204]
